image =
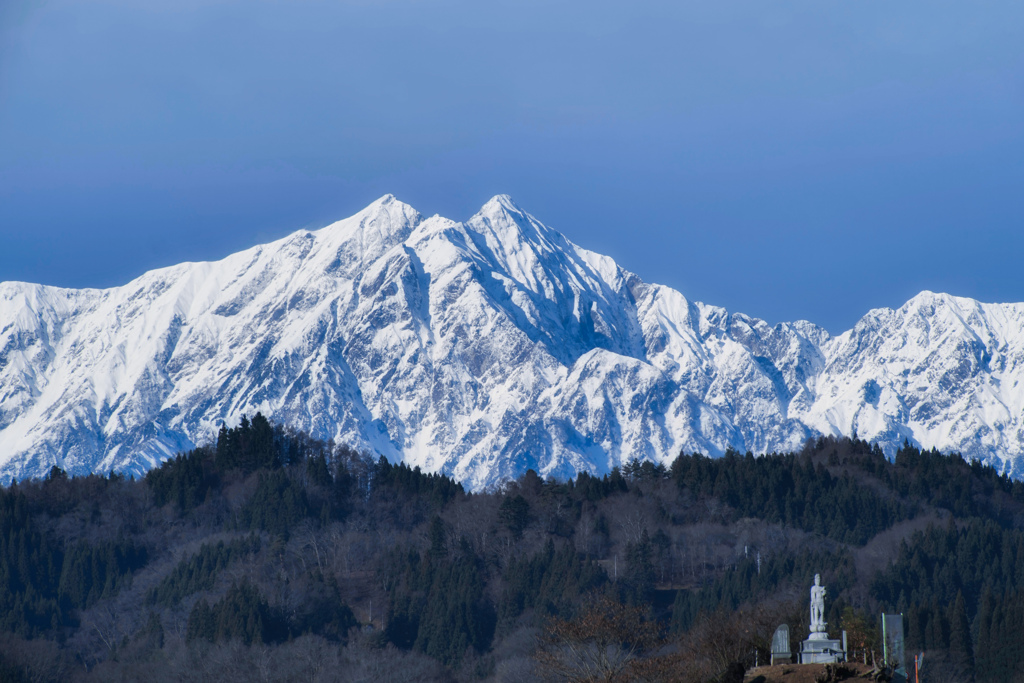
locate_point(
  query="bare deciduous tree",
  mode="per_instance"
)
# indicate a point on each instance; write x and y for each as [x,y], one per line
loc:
[603,643]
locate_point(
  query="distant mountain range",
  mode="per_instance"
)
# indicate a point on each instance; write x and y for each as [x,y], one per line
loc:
[480,349]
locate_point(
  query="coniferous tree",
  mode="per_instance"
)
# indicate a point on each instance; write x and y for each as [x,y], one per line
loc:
[514,514]
[640,570]
[960,632]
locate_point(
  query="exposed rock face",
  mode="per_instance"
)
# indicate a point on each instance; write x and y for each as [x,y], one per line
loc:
[481,349]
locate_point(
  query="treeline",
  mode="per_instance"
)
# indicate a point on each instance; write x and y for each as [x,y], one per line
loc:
[752,579]
[961,587]
[794,491]
[313,552]
[42,581]
[199,572]
[245,614]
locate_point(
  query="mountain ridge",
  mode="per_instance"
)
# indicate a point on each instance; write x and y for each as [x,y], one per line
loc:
[480,348]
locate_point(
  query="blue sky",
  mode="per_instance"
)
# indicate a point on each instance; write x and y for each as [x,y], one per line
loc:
[787,159]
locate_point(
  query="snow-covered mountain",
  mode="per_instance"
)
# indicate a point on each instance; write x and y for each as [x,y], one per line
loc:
[481,349]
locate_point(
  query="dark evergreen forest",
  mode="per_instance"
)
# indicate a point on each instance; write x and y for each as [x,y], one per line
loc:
[270,555]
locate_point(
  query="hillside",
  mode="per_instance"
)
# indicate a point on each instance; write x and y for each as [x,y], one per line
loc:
[271,555]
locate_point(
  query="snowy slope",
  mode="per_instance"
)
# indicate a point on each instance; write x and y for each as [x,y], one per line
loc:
[481,349]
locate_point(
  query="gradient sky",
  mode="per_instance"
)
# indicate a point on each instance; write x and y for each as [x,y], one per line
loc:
[786,159]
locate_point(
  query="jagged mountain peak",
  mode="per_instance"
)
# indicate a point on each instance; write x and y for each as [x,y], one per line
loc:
[501,202]
[507,229]
[480,348]
[388,220]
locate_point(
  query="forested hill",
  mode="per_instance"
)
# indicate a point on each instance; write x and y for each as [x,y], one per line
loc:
[273,556]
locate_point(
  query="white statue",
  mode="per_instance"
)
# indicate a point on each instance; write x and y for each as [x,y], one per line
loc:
[817,606]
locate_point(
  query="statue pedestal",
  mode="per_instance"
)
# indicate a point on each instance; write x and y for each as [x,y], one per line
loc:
[820,649]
